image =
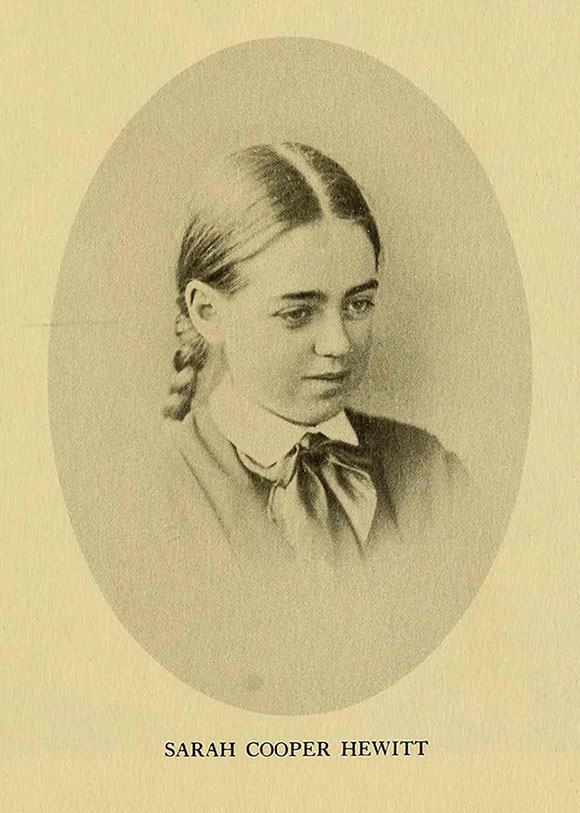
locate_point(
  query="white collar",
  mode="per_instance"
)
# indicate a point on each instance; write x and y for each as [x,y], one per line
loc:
[260,434]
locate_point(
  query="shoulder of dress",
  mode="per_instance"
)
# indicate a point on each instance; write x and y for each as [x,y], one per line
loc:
[403,443]
[375,430]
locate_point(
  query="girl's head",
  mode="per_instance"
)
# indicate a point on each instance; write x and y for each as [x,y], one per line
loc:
[278,266]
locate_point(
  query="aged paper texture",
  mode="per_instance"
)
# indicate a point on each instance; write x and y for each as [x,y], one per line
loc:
[86,711]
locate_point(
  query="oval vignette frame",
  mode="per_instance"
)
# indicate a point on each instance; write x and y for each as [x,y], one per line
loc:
[452,349]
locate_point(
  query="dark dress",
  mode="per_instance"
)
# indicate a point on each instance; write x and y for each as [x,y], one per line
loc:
[205,582]
[420,488]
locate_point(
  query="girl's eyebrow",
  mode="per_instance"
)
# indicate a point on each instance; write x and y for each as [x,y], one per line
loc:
[302,295]
[370,285]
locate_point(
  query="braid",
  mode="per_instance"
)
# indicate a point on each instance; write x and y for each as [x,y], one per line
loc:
[187,362]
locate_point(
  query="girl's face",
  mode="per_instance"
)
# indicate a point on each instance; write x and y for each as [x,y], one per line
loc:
[297,336]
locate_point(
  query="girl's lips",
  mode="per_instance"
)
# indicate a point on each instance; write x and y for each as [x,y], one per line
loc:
[328,376]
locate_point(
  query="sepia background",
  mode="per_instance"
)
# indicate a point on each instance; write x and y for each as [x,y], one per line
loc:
[450,353]
[87,711]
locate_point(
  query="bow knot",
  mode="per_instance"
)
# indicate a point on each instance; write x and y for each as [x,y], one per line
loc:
[321,495]
[315,449]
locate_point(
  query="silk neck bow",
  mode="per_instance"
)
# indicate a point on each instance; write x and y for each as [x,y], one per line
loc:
[322,496]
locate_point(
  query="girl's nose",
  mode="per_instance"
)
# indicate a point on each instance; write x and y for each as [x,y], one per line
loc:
[332,338]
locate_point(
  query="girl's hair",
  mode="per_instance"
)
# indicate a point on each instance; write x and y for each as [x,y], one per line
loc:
[247,201]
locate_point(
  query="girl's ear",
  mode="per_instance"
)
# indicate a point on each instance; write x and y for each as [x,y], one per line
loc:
[205,311]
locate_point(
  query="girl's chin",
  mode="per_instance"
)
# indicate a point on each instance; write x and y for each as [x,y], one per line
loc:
[311,415]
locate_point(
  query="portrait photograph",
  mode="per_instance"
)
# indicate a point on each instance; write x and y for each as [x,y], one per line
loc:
[305,362]
[288,324]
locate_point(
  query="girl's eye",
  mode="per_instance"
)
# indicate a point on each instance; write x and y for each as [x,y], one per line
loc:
[358,308]
[295,317]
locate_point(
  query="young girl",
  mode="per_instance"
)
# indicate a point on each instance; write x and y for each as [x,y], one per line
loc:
[277,549]
[278,272]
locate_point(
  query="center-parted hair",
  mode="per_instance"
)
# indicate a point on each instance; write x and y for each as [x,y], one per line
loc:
[244,203]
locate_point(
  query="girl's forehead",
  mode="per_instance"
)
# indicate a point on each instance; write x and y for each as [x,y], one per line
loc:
[330,256]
